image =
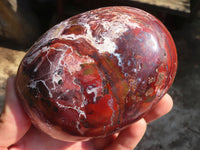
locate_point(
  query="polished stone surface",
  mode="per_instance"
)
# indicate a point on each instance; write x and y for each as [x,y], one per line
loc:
[96,72]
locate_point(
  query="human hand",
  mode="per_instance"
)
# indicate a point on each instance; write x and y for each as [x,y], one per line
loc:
[17,132]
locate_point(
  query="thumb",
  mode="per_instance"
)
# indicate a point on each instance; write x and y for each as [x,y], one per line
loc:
[14,123]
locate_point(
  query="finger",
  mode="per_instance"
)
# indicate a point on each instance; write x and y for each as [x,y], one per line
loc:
[129,137]
[13,121]
[160,109]
[101,143]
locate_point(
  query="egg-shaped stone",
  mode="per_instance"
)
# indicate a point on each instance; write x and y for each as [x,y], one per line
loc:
[97,72]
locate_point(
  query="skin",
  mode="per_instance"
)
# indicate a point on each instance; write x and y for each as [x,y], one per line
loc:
[17,132]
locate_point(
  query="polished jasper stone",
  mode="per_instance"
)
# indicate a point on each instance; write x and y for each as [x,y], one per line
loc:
[96,72]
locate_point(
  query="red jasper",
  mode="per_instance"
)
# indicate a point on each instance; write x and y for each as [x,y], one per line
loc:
[96,72]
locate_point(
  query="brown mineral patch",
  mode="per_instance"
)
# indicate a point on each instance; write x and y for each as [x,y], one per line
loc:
[151,80]
[160,78]
[149,92]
